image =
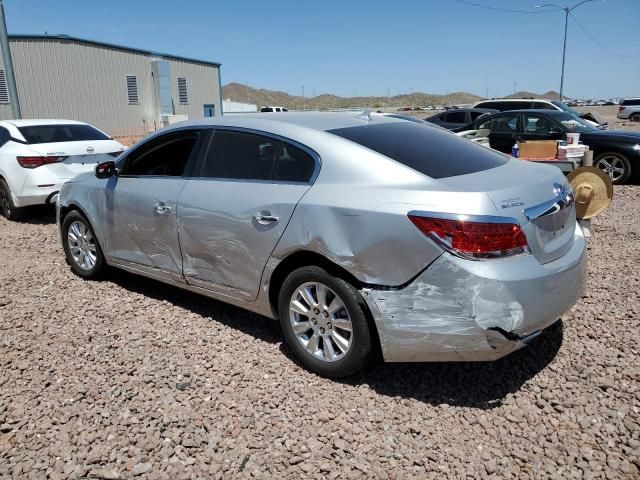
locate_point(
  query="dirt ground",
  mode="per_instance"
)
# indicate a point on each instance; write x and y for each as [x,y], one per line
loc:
[127,377]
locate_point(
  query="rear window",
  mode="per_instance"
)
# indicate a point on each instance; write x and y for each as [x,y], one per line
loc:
[61,133]
[428,150]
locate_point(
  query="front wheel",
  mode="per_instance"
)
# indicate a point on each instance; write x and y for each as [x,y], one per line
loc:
[615,165]
[324,321]
[81,246]
[7,207]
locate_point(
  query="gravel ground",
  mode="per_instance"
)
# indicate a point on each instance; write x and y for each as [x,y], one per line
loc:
[130,378]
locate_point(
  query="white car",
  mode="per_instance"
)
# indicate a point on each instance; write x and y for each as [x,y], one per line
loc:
[38,156]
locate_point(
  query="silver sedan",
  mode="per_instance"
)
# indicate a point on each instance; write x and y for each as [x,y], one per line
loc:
[362,234]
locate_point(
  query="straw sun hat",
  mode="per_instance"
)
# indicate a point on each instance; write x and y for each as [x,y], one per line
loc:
[592,189]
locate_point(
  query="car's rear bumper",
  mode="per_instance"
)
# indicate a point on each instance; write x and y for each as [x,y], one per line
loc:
[461,310]
[623,115]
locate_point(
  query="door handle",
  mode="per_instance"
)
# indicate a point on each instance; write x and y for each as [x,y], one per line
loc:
[161,209]
[265,219]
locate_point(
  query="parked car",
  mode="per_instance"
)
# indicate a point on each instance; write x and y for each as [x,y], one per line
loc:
[271,109]
[359,233]
[38,156]
[456,120]
[629,109]
[615,151]
[507,104]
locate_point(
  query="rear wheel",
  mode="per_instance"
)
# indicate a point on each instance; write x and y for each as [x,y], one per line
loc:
[324,322]
[635,117]
[7,207]
[81,246]
[615,165]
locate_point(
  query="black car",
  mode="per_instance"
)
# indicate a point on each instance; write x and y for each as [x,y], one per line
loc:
[456,119]
[615,151]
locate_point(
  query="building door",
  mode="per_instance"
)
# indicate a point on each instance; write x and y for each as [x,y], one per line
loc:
[209,110]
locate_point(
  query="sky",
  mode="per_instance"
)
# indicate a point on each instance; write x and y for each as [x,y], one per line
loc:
[357,47]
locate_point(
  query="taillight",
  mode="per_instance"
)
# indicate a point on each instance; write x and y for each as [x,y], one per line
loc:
[620,108]
[471,239]
[38,161]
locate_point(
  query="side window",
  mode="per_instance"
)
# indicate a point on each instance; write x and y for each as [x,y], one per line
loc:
[536,124]
[487,105]
[505,124]
[240,155]
[484,125]
[456,117]
[515,106]
[166,155]
[475,115]
[542,106]
[294,164]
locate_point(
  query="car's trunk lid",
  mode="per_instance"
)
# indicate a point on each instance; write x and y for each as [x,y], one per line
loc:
[79,157]
[536,196]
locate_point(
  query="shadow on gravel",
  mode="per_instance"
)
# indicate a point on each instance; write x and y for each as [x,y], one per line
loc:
[260,327]
[466,384]
[39,215]
[470,384]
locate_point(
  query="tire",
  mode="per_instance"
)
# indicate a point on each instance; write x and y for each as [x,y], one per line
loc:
[81,247]
[7,207]
[635,117]
[329,323]
[616,165]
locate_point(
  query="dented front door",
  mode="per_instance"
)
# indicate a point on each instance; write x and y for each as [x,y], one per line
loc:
[144,228]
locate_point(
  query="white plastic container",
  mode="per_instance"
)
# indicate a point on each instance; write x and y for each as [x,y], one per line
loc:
[573,138]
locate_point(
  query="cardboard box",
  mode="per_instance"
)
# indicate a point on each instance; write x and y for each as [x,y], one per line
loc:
[538,149]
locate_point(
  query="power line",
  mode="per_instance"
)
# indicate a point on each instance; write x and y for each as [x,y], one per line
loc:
[604,47]
[497,9]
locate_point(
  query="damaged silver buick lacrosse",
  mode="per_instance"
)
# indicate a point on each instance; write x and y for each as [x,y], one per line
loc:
[360,233]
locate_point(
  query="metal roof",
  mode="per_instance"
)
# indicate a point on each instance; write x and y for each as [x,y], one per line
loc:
[108,45]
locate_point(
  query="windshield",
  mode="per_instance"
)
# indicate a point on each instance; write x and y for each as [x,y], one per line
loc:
[573,124]
[562,106]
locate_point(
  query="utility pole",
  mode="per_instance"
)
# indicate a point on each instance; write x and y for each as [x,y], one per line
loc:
[514,87]
[567,11]
[247,85]
[304,100]
[8,66]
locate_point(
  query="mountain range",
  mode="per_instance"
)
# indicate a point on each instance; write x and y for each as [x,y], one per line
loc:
[262,97]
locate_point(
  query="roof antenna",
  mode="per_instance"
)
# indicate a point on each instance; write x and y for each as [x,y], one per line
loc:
[366,115]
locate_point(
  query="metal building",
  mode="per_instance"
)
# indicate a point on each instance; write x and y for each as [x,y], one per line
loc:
[121,90]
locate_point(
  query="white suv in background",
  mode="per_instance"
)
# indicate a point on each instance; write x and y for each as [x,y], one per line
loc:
[629,109]
[38,156]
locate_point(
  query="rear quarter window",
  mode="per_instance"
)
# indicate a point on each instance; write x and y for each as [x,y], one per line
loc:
[61,133]
[428,150]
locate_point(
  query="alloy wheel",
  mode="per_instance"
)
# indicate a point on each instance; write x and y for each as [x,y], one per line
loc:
[321,321]
[81,245]
[613,166]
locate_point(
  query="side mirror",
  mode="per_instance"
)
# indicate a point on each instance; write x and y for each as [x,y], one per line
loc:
[106,169]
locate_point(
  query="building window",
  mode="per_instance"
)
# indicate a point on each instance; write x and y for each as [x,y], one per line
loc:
[4,91]
[132,90]
[183,95]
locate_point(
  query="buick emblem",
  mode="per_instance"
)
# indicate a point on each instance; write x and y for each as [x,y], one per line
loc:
[89,149]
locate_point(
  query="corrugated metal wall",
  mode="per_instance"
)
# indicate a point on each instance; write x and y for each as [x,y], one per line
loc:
[68,79]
